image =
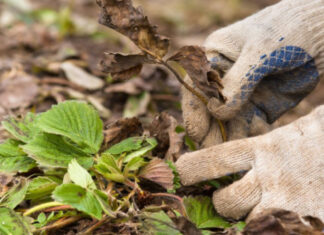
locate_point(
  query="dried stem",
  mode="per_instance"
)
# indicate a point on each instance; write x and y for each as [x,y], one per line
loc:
[186,85]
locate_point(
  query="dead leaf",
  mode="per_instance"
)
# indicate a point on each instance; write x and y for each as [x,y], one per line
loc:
[80,77]
[195,62]
[18,90]
[170,142]
[130,21]
[122,67]
[131,87]
[5,180]
[159,172]
[122,129]
[281,222]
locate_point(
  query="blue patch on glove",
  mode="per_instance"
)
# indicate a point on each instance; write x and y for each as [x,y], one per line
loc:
[282,80]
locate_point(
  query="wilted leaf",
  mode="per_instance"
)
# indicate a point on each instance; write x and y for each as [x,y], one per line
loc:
[15,195]
[78,121]
[80,176]
[134,86]
[194,61]
[13,159]
[25,129]
[163,128]
[122,67]
[200,211]
[5,180]
[40,188]
[124,18]
[12,223]
[122,129]
[80,77]
[277,221]
[54,151]
[79,198]
[159,223]
[18,91]
[159,172]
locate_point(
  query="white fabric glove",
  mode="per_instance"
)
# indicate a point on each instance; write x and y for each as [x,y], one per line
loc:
[271,61]
[286,170]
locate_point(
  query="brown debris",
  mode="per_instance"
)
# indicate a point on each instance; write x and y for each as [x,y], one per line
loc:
[194,61]
[281,222]
[122,67]
[18,90]
[170,142]
[122,129]
[130,21]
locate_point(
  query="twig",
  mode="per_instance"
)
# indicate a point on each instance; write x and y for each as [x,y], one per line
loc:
[96,225]
[60,223]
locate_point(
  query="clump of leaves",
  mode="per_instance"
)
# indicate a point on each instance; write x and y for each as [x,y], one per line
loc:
[123,17]
[70,174]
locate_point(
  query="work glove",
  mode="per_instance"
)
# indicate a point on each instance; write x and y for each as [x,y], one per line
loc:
[285,170]
[270,62]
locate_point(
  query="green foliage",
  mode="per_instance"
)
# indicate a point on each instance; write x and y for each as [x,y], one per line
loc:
[13,159]
[109,168]
[176,179]
[77,121]
[80,176]
[79,198]
[24,129]
[159,223]
[201,212]
[15,195]
[40,188]
[128,145]
[55,151]
[12,223]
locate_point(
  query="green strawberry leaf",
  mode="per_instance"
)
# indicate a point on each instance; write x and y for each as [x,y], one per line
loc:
[79,198]
[80,176]
[107,166]
[12,223]
[55,151]
[176,179]
[22,130]
[201,212]
[127,145]
[159,223]
[15,195]
[77,121]
[13,159]
[150,144]
[40,188]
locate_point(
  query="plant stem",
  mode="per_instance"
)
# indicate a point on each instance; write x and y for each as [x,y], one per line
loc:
[42,207]
[200,96]
[187,86]
[60,223]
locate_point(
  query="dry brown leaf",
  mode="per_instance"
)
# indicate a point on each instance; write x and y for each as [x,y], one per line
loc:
[80,77]
[131,87]
[122,129]
[195,62]
[281,222]
[159,172]
[170,142]
[5,179]
[130,21]
[18,90]
[122,67]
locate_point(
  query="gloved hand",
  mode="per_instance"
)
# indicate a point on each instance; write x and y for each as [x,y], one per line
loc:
[271,61]
[286,170]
